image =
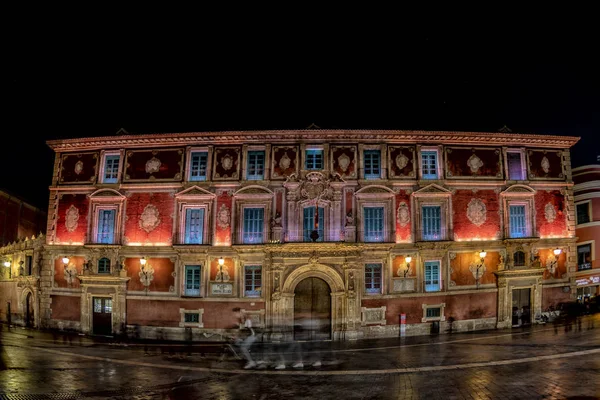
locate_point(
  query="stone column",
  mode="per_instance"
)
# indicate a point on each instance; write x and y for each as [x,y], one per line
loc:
[292,218]
[337,222]
[351,319]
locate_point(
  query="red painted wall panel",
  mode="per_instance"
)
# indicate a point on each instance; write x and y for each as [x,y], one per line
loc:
[550,215]
[66,307]
[403,220]
[545,164]
[77,233]
[561,265]
[60,276]
[223,223]
[554,295]
[79,168]
[461,272]
[140,227]
[344,155]
[464,229]
[166,313]
[162,277]
[155,165]
[468,306]
[490,164]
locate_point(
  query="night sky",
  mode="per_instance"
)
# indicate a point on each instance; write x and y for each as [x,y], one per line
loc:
[543,82]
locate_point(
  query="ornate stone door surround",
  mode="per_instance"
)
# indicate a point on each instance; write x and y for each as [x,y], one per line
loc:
[338,296]
[509,280]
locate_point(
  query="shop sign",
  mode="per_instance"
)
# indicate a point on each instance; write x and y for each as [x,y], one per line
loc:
[588,281]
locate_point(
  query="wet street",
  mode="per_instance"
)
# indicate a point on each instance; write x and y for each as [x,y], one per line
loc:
[539,362]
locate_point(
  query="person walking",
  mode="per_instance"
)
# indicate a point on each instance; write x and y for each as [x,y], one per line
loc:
[246,343]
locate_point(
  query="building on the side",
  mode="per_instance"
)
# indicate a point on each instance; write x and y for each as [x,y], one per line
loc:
[19,219]
[358,229]
[586,190]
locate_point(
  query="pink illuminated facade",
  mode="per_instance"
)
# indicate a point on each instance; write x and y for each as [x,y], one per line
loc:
[353,227]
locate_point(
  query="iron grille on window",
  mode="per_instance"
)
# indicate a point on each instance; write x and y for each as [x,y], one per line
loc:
[583,213]
[433,312]
[192,318]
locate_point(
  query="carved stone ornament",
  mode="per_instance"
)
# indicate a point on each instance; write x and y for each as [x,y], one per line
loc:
[285,161]
[545,164]
[476,212]
[153,165]
[477,274]
[401,161]
[71,218]
[227,162]
[344,162]
[315,186]
[222,274]
[70,273]
[550,212]
[403,214]
[147,275]
[78,167]
[474,163]
[223,217]
[551,264]
[150,218]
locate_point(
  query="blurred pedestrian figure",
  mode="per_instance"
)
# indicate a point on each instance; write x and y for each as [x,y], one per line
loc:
[246,339]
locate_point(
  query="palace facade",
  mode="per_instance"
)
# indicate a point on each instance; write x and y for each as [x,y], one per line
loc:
[370,233]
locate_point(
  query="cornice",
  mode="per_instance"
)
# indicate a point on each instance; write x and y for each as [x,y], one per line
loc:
[316,135]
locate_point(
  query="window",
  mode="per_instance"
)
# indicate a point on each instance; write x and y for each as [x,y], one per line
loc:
[28,265]
[584,257]
[515,166]
[373,220]
[518,225]
[194,225]
[519,259]
[373,278]
[432,276]
[309,223]
[192,317]
[252,280]
[433,312]
[583,213]
[314,159]
[253,225]
[429,164]
[256,165]
[111,168]
[192,280]
[106,226]
[198,162]
[104,266]
[372,163]
[431,222]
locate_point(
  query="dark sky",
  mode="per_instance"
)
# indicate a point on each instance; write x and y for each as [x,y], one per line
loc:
[72,83]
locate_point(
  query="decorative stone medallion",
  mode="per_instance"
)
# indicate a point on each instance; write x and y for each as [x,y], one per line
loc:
[227,162]
[315,186]
[550,212]
[477,274]
[147,275]
[78,167]
[223,217]
[344,162]
[474,163]
[403,214]
[71,218]
[150,218]
[222,274]
[551,263]
[284,162]
[401,161]
[476,212]
[70,273]
[153,165]
[545,164]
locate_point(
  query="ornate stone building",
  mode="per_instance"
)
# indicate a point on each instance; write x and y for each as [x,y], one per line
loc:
[356,229]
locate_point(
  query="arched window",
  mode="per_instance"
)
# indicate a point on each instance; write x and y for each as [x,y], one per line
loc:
[104,266]
[519,258]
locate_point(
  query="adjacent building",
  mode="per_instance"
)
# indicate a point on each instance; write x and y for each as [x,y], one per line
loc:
[370,233]
[587,206]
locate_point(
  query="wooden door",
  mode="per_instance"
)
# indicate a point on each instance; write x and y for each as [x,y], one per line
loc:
[312,310]
[102,316]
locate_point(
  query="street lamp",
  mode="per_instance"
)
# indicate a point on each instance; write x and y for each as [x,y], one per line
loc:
[482,255]
[221,263]
[7,264]
[407,270]
[556,252]
[69,272]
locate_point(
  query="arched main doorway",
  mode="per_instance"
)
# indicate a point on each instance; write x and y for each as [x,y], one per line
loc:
[312,310]
[29,310]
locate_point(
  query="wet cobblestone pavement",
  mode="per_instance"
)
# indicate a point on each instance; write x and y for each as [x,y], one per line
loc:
[538,362]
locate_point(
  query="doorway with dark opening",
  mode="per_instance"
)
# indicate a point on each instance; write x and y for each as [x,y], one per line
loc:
[312,310]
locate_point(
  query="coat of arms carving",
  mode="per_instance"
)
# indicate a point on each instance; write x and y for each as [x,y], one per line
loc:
[545,164]
[227,162]
[344,162]
[550,212]
[476,212]
[71,218]
[401,161]
[315,186]
[223,217]
[78,167]
[150,218]
[153,165]
[403,214]
[474,163]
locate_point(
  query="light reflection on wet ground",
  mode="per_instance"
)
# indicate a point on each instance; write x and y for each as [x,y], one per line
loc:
[40,365]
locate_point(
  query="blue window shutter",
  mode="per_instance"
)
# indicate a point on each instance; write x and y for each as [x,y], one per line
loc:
[111,169]
[192,280]
[309,223]
[253,225]
[198,166]
[194,225]
[373,224]
[372,162]
[518,227]
[432,276]
[255,165]
[429,164]
[106,226]
[432,223]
